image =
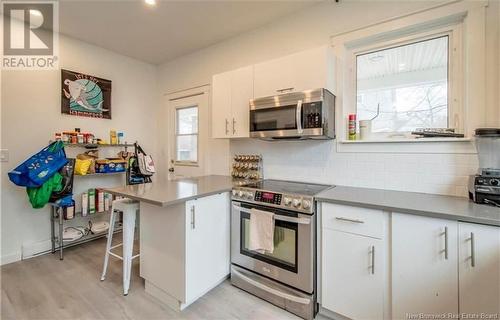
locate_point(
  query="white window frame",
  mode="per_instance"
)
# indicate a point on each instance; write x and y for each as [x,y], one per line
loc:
[455,72]
[177,134]
[471,16]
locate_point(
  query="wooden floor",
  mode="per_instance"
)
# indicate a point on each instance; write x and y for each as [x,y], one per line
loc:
[47,288]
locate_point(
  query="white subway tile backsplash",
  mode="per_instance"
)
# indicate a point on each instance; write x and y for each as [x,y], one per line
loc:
[319,162]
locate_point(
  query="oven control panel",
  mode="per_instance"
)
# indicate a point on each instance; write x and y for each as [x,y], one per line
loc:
[278,200]
[268,197]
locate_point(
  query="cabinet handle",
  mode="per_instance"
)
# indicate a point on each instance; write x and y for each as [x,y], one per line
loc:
[472,250]
[227,124]
[349,220]
[193,218]
[285,90]
[446,243]
[234,123]
[373,259]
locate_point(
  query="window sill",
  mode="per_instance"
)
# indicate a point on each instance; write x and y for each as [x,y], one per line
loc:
[409,145]
[186,164]
[406,140]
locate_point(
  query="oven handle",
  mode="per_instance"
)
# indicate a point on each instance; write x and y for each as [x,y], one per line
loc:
[272,290]
[298,116]
[277,217]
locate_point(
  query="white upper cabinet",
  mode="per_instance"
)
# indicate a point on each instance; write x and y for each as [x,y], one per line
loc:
[424,266]
[221,104]
[479,269]
[241,93]
[301,71]
[233,90]
[231,94]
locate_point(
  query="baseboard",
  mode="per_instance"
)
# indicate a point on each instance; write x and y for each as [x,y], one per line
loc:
[33,249]
[9,258]
[170,301]
[217,283]
[330,314]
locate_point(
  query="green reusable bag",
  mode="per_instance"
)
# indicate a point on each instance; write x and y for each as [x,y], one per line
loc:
[40,196]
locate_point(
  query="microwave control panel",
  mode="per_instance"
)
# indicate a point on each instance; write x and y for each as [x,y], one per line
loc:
[268,197]
[311,115]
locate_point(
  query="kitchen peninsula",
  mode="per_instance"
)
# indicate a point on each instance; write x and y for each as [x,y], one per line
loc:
[184,236]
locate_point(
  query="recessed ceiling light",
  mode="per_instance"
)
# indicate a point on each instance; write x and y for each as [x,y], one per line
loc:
[376,58]
[35,13]
[150,2]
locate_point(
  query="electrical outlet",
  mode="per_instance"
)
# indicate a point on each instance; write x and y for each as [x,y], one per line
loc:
[4,155]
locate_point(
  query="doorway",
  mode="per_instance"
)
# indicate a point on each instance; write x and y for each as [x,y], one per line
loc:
[187,115]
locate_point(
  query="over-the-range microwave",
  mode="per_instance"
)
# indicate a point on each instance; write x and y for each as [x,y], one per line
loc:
[302,115]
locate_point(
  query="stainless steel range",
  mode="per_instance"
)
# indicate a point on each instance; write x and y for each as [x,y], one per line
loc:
[287,276]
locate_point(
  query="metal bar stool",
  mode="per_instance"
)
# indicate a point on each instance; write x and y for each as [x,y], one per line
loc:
[129,208]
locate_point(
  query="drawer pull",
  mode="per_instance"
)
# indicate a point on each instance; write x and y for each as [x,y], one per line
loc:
[472,250]
[445,243]
[373,260]
[349,220]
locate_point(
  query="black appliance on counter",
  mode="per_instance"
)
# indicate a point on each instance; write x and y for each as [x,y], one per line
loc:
[484,187]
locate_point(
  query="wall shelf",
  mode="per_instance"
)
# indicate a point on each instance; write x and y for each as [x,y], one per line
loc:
[96,145]
[99,174]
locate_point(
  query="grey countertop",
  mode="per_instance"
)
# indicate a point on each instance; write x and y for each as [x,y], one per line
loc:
[167,192]
[437,206]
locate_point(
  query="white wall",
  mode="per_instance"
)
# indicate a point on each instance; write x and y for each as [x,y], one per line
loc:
[319,161]
[31,115]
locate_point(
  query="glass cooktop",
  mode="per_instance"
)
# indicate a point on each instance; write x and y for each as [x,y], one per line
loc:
[306,189]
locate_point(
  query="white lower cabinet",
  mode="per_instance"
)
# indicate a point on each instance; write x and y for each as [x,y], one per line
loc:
[353,276]
[353,261]
[433,267]
[185,248]
[424,266]
[479,269]
[207,243]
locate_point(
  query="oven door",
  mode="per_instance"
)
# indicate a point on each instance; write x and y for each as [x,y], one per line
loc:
[292,260]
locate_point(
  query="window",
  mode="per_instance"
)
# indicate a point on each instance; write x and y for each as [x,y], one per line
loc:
[405,87]
[186,135]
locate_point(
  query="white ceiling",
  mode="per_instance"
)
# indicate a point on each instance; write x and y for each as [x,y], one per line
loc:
[169,29]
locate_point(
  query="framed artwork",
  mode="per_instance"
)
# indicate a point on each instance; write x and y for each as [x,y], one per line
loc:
[85,95]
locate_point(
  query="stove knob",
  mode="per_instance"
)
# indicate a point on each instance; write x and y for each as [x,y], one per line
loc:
[287,201]
[240,193]
[235,193]
[296,203]
[494,182]
[306,204]
[249,195]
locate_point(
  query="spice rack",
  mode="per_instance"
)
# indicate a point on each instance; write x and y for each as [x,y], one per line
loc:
[247,167]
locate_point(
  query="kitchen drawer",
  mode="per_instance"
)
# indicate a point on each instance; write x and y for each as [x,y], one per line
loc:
[362,221]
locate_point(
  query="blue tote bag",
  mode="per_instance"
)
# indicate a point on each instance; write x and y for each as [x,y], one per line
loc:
[40,167]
